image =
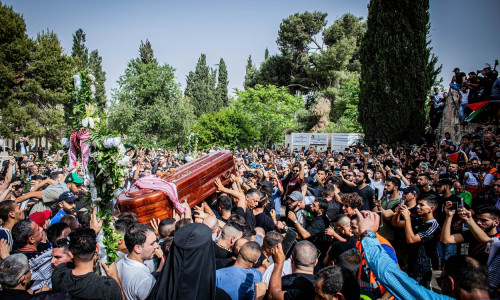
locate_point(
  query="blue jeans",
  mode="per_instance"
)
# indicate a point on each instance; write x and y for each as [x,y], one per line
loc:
[462,111]
[455,86]
[446,251]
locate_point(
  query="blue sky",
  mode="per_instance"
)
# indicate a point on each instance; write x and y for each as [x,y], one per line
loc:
[464,33]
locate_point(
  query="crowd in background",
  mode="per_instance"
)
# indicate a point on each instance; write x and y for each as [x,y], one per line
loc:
[293,223]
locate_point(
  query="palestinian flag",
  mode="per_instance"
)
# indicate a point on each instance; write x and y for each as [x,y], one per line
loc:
[453,158]
[476,109]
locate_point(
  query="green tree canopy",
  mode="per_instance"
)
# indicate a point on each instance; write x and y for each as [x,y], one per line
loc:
[272,110]
[222,83]
[398,70]
[148,106]
[200,87]
[36,108]
[228,126]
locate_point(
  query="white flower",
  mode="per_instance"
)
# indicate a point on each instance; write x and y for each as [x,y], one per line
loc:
[124,161]
[91,77]
[88,122]
[77,82]
[122,149]
[65,142]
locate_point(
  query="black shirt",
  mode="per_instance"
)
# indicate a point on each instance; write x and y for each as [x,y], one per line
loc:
[298,286]
[88,286]
[264,221]
[419,259]
[333,210]
[367,193]
[477,249]
[222,257]
[248,215]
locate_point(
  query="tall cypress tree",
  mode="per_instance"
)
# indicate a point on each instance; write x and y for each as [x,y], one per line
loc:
[146,53]
[222,84]
[250,73]
[397,71]
[80,52]
[95,65]
[200,87]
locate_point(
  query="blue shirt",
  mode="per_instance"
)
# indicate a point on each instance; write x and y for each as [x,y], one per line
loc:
[57,218]
[238,282]
[392,278]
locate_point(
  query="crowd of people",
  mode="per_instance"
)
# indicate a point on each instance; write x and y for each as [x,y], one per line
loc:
[370,223]
[474,87]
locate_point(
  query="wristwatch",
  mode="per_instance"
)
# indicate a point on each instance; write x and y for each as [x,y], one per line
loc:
[369,233]
[295,222]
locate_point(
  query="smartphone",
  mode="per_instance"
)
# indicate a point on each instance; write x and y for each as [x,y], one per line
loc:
[336,170]
[402,202]
[380,215]
[462,202]
[289,240]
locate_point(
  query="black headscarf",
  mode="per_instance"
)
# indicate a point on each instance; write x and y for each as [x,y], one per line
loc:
[189,271]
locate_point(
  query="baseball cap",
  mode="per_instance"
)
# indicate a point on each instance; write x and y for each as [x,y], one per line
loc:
[73,178]
[411,189]
[295,196]
[444,181]
[456,69]
[40,217]
[67,196]
[265,183]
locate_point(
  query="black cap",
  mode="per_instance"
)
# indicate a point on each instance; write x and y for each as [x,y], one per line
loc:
[411,189]
[68,197]
[444,181]
[456,69]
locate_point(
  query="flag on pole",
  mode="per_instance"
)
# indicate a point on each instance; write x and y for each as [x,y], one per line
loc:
[476,109]
[453,158]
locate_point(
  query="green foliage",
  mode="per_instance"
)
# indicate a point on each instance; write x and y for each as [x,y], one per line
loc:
[148,106]
[105,165]
[222,83]
[229,126]
[200,87]
[346,109]
[146,53]
[79,51]
[35,106]
[272,110]
[398,70]
[14,52]
[92,62]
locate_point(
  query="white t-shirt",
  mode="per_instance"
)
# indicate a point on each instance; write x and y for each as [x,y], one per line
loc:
[378,185]
[137,282]
[287,270]
[465,97]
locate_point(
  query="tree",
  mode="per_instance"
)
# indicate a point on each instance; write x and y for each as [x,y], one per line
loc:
[200,87]
[272,110]
[79,51]
[14,52]
[95,66]
[266,54]
[146,53]
[397,71]
[36,108]
[250,73]
[228,126]
[148,106]
[222,84]
[93,62]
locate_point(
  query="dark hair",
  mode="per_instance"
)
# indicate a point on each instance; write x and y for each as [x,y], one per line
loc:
[425,175]
[55,230]
[82,244]
[240,220]
[320,169]
[54,175]
[488,209]
[224,202]
[21,232]
[181,223]
[122,226]
[272,239]
[266,190]
[83,218]
[71,221]
[166,227]
[395,181]
[467,272]
[322,203]
[336,279]
[5,208]
[328,190]
[128,215]
[136,235]
[430,199]
[350,260]
[166,244]
[61,243]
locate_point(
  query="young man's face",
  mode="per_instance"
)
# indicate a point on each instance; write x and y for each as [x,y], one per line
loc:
[423,208]
[355,229]
[389,187]
[422,181]
[59,256]
[149,247]
[486,222]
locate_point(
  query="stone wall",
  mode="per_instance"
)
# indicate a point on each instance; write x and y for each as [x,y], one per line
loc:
[450,121]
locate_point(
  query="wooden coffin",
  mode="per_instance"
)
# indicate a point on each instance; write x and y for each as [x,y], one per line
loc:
[194,181]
